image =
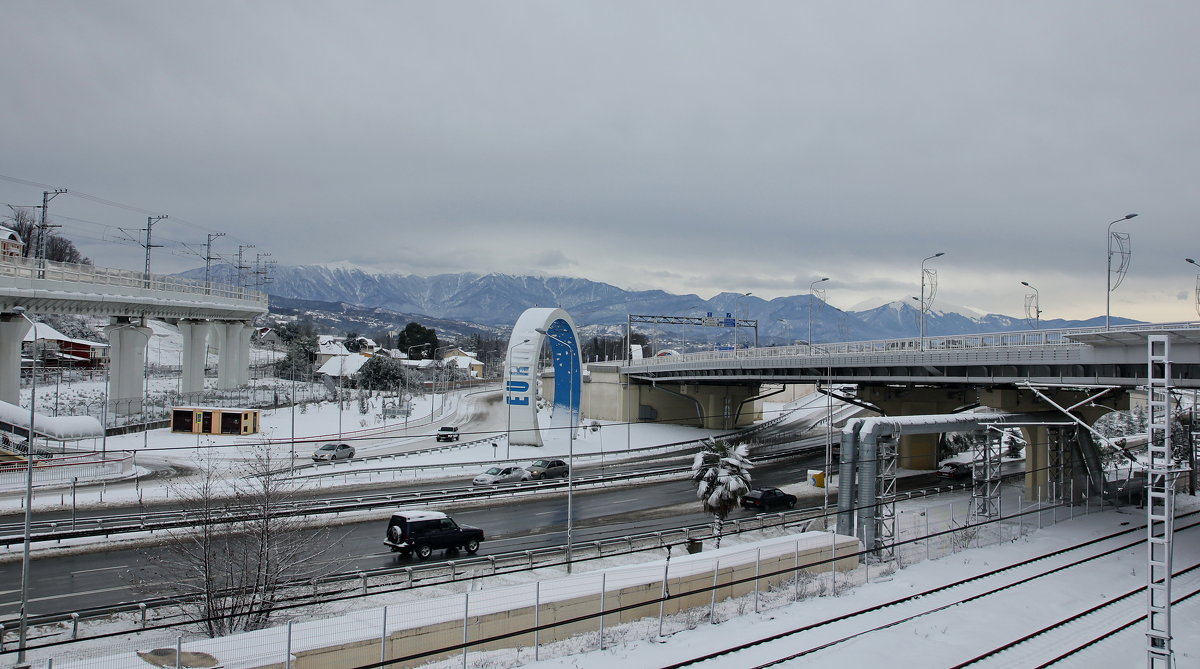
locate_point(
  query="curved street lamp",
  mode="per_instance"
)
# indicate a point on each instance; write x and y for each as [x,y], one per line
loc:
[1037,305]
[23,631]
[924,304]
[1108,274]
[810,309]
[735,319]
[570,445]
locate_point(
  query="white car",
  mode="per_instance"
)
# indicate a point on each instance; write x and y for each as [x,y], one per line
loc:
[333,452]
[510,474]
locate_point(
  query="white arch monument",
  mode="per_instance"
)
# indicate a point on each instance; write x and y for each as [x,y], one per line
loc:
[536,327]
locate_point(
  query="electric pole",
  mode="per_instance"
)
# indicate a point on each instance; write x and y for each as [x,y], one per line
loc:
[208,258]
[241,283]
[40,254]
[150,221]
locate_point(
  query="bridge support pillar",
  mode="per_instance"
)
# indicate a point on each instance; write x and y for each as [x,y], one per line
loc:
[230,360]
[243,344]
[195,353]
[127,367]
[917,451]
[12,331]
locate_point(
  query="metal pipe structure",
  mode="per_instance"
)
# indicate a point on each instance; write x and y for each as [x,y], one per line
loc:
[1108,288]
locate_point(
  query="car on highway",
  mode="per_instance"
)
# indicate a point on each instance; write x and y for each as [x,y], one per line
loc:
[955,470]
[765,499]
[333,452]
[510,474]
[423,532]
[548,469]
[447,433]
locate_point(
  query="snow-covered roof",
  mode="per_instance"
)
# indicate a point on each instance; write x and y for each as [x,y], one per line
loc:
[58,428]
[343,365]
[332,347]
[46,333]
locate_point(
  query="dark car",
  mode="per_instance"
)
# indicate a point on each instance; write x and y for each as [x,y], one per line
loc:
[548,469]
[447,433]
[763,499]
[423,532]
[955,470]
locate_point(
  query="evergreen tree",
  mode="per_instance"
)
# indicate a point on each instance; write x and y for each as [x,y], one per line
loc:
[721,471]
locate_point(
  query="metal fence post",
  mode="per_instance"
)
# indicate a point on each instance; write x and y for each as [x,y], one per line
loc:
[603,592]
[383,638]
[796,568]
[537,617]
[466,624]
[287,658]
[757,571]
[712,605]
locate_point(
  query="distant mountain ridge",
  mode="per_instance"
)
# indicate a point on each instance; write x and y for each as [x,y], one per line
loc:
[494,301]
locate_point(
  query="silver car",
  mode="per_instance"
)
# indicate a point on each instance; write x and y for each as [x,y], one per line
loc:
[510,474]
[333,452]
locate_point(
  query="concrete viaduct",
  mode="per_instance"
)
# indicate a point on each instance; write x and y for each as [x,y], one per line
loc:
[128,298]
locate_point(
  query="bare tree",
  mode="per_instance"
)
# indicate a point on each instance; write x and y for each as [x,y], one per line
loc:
[234,575]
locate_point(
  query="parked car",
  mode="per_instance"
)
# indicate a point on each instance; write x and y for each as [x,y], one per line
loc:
[764,499]
[423,532]
[955,470]
[333,452]
[447,433]
[511,474]
[548,469]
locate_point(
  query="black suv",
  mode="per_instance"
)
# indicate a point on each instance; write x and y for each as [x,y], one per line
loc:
[447,433]
[423,532]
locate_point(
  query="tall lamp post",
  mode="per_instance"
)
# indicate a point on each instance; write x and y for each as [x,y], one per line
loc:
[1036,303]
[1108,288]
[24,625]
[570,447]
[810,310]
[924,301]
[736,300]
[507,406]
[1192,261]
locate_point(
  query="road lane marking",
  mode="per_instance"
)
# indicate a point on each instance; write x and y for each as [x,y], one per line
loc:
[89,571]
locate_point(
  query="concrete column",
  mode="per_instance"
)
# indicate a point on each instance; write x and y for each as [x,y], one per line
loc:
[1037,458]
[12,331]
[244,353]
[195,349]
[127,369]
[229,360]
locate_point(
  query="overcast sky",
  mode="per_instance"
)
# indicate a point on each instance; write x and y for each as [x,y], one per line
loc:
[694,147]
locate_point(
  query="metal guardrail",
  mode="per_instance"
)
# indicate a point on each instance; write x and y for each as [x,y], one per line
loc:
[376,581]
[48,270]
[819,353]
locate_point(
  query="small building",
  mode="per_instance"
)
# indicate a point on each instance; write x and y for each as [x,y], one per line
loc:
[214,420]
[11,245]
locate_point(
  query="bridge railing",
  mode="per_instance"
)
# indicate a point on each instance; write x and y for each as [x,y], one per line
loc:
[966,342]
[48,270]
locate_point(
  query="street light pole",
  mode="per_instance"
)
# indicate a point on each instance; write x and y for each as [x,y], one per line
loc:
[924,305]
[23,634]
[570,446]
[507,406]
[810,310]
[1037,306]
[1192,261]
[1108,288]
[735,319]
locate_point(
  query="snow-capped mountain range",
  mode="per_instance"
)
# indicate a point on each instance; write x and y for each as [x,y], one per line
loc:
[492,302]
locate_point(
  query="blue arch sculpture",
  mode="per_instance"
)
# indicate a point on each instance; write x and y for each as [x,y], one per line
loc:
[537,327]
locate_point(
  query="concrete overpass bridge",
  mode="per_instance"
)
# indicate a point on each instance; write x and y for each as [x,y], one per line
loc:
[1052,385]
[200,309]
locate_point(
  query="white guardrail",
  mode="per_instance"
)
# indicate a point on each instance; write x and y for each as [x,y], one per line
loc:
[28,269]
[1027,339]
[67,469]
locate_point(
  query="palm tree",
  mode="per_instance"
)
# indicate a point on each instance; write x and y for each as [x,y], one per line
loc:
[721,471]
